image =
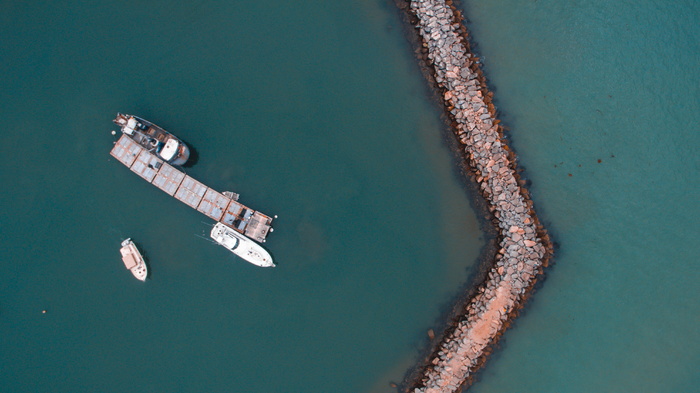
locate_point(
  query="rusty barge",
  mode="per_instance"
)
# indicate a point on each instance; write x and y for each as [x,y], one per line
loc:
[222,207]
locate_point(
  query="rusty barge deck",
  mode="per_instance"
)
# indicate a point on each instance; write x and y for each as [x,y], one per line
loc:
[191,192]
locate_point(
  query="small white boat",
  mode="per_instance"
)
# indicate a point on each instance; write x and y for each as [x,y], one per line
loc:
[133,260]
[240,245]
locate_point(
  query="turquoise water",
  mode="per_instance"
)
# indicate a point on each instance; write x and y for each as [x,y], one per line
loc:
[579,82]
[315,112]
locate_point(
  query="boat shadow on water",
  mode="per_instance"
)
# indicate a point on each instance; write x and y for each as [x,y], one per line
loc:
[194,156]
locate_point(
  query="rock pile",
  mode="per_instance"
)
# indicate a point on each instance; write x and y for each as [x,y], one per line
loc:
[524,245]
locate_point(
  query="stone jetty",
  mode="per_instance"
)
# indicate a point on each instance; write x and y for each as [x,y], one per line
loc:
[524,247]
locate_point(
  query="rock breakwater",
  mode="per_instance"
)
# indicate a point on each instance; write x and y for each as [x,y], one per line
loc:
[524,247]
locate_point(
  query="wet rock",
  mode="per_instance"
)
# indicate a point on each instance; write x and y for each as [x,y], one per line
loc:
[520,252]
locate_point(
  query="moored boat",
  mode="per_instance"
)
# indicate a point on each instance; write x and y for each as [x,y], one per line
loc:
[133,260]
[241,245]
[155,139]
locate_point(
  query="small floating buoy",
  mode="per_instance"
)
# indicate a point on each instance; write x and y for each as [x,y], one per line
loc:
[275,215]
[43,311]
[114,132]
[272,229]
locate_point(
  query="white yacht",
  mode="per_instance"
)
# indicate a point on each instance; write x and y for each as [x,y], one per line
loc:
[133,260]
[240,245]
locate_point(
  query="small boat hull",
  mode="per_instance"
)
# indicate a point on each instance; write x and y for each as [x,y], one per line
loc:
[183,155]
[133,260]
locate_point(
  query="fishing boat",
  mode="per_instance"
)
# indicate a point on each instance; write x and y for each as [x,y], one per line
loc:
[133,260]
[241,245]
[153,138]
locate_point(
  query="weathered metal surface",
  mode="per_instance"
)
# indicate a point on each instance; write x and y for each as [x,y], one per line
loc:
[126,150]
[168,179]
[258,226]
[146,165]
[190,191]
[213,204]
[231,214]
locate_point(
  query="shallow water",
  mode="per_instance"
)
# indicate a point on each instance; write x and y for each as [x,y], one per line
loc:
[315,112]
[602,99]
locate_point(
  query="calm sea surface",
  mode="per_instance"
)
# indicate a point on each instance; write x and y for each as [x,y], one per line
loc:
[315,111]
[615,81]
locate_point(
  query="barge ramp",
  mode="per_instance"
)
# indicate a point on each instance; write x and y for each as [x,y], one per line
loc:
[221,207]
